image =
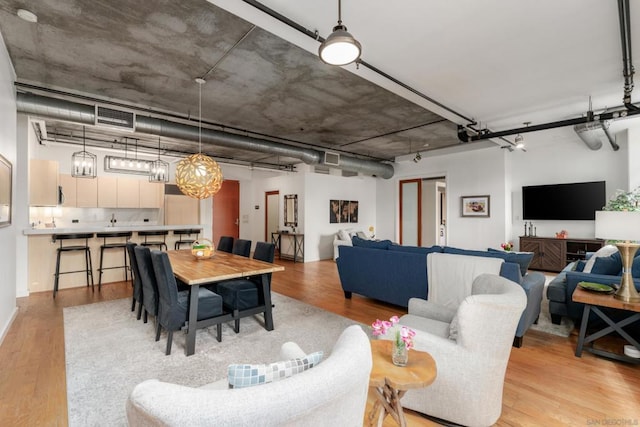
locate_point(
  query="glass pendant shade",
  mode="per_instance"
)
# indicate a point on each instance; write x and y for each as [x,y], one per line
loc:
[83,164]
[198,176]
[340,48]
[159,171]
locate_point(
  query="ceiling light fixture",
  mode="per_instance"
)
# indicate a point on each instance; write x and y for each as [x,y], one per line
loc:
[135,166]
[519,140]
[417,158]
[159,168]
[340,48]
[27,15]
[198,175]
[83,163]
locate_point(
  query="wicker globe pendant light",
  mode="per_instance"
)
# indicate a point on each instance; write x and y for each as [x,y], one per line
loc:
[199,176]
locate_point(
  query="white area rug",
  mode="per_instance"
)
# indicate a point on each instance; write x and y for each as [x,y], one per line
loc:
[108,352]
[544,322]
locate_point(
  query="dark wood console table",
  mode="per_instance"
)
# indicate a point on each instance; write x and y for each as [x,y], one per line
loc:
[551,254]
[298,244]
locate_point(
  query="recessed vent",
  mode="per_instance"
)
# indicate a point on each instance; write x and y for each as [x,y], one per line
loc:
[40,128]
[124,120]
[349,173]
[321,169]
[331,159]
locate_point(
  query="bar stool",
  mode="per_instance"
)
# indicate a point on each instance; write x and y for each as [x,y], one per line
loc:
[114,245]
[187,233]
[73,248]
[159,243]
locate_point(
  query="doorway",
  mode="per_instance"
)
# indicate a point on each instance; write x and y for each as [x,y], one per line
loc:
[423,211]
[271,213]
[226,210]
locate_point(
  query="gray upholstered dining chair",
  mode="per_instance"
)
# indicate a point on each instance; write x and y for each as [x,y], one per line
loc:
[225,244]
[173,305]
[242,294]
[241,247]
[148,281]
[135,277]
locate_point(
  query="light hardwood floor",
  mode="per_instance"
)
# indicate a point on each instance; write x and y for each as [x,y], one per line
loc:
[545,385]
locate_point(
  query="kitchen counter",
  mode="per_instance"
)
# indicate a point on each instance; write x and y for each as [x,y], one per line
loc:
[104,229]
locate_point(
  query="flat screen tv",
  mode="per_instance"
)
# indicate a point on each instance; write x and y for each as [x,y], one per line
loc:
[577,201]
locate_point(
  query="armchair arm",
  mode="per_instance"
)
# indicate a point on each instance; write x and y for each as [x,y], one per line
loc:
[425,308]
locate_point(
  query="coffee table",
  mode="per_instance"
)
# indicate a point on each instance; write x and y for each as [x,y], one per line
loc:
[391,382]
[593,301]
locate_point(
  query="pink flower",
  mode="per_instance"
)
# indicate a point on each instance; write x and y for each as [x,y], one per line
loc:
[403,335]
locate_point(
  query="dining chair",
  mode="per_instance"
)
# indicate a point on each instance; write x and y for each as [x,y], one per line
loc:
[242,294]
[135,277]
[225,244]
[173,305]
[148,281]
[241,247]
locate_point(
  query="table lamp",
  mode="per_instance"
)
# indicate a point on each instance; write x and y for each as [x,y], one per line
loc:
[624,227]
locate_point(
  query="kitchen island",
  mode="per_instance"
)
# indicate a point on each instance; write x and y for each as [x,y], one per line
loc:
[42,254]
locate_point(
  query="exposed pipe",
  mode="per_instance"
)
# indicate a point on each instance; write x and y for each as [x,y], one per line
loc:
[627,62]
[84,114]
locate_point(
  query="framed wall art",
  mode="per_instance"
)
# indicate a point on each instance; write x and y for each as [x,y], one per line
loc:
[343,211]
[478,206]
[5,192]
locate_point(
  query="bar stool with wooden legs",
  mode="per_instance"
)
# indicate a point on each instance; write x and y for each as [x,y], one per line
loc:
[114,245]
[88,270]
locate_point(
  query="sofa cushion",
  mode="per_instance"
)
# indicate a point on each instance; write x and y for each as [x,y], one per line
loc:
[523,259]
[371,244]
[416,249]
[246,375]
[604,251]
[610,265]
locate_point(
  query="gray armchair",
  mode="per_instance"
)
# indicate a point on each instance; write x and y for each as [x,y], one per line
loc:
[471,347]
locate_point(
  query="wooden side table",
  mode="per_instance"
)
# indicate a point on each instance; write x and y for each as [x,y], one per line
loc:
[391,382]
[592,302]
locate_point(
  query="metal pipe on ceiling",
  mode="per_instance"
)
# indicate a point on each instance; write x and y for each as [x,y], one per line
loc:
[84,114]
[627,62]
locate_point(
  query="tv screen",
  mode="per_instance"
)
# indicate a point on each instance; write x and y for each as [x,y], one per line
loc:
[578,201]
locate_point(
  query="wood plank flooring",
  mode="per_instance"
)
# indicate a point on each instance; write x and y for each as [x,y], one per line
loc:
[545,385]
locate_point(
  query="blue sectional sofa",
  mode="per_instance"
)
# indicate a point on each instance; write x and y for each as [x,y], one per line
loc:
[394,274]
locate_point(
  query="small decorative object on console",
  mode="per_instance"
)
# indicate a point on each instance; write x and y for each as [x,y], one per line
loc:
[402,342]
[507,246]
[202,249]
[563,234]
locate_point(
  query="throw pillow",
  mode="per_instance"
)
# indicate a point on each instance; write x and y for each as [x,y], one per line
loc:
[344,235]
[610,265]
[602,252]
[246,375]
[371,244]
[579,265]
[453,328]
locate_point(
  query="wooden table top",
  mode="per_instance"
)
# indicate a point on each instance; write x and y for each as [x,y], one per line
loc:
[419,372]
[603,300]
[222,266]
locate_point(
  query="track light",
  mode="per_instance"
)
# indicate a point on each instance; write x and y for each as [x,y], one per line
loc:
[340,48]
[417,158]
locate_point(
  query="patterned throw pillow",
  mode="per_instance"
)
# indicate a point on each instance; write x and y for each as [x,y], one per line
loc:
[245,375]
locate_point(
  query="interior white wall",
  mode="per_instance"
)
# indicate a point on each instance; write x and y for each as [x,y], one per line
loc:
[8,148]
[472,173]
[319,189]
[558,156]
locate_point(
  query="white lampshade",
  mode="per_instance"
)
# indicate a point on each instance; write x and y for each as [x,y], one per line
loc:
[340,48]
[618,225]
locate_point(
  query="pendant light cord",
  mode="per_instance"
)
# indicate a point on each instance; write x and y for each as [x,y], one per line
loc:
[200,117]
[339,12]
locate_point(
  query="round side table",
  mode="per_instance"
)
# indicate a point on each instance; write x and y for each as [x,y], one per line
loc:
[391,382]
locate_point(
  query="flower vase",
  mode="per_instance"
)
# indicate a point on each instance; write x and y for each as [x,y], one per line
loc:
[399,354]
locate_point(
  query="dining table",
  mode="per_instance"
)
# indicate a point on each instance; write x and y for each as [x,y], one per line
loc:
[195,272]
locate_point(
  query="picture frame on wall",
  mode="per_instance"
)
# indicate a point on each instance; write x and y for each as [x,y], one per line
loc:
[344,211]
[475,206]
[353,211]
[6,170]
[334,211]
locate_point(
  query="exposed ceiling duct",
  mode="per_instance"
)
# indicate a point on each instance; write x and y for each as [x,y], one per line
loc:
[84,114]
[594,134]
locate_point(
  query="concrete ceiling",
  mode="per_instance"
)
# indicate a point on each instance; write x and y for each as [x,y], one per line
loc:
[498,62]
